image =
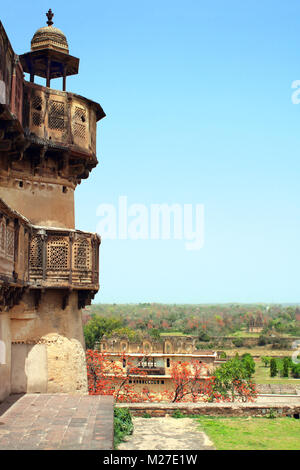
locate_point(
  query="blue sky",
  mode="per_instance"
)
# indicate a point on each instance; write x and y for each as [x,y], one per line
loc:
[198,102]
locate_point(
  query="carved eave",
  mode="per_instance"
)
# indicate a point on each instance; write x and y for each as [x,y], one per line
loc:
[12,139]
[36,62]
[10,294]
[73,163]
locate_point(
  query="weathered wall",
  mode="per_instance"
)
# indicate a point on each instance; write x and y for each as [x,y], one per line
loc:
[5,355]
[29,368]
[48,345]
[164,345]
[44,203]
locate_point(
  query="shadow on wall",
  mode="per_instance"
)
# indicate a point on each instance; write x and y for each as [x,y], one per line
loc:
[9,401]
[29,368]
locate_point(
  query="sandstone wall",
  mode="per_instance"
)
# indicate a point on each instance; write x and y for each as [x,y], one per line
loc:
[55,206]
[5,355]
[48,350]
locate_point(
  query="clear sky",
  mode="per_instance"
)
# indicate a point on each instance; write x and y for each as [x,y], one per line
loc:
[198,102]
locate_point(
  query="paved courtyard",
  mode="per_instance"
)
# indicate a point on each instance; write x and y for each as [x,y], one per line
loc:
[60,421]
[166,434]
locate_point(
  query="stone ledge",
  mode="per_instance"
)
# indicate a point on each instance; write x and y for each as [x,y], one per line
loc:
[213,409]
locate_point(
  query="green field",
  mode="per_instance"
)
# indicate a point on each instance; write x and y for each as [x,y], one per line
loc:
[262,376]
[252,433]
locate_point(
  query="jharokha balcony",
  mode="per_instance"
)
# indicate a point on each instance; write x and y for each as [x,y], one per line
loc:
[62,119]
[38,258]
[63,259]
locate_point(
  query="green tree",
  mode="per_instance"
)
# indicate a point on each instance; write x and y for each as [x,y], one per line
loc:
[132,335]
[273,367]
[249,364]
[238,342]
[228,374]
[295,371]
[286,367]
[266,361]
[202,336]
[97,327]
[154,333]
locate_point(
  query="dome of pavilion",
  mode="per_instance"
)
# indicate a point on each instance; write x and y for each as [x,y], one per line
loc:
[49,37]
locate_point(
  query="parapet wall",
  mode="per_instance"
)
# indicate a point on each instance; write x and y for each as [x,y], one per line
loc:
[148,345]
[157,410]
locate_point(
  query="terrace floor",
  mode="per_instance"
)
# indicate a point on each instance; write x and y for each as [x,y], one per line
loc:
[56,422]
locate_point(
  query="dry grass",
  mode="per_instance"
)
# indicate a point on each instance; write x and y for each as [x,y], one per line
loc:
[259,351]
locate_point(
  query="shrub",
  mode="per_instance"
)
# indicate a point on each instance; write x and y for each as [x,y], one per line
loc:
[266,360]
[238,342]
[262,340]
[122,425]
[279,343]
[177,414]
[204,346]
[272,414]
[202,336]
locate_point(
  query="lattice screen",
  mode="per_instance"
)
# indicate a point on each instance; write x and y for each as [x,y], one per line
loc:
[36,253]
[95,257]
[26,251]
[36,115]
[2,235]
[56,115]
[92,126]
[57,253]
[79,128]
[10,242]
[81,253]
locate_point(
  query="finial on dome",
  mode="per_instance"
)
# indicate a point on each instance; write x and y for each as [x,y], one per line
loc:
[49,15]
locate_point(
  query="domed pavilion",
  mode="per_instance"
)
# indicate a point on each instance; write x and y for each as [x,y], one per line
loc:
[49,57]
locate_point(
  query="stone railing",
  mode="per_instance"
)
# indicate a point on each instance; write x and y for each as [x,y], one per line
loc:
[64,259]
[150,371]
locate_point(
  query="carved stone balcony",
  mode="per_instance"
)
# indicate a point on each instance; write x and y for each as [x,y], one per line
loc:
[65,259]
[14,240]
[62,119]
